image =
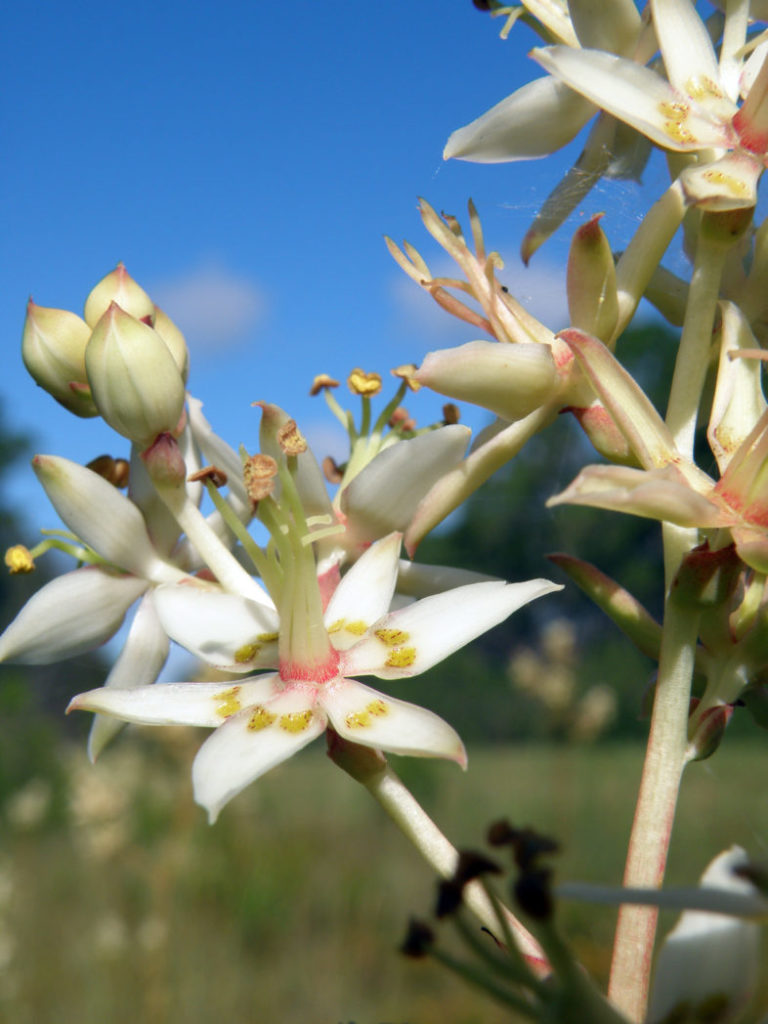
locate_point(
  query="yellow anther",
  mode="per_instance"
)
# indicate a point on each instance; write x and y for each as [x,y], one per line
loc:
[401,657]
[362,719]
[229,702]
[703,88]
[358,627]
[322,381]
[674,111]
[678,132]
[247,652]
[295,721]
[357,720]
[407,373]
[268,638]
[19,559]
[291,439]
[734,185]
[392,637]
[259,475]
[260,718]
[365,384]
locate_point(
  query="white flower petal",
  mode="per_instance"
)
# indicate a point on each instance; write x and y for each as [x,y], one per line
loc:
[98,513]
[689,57]
[202,704]
[413,639]
[217,452]
[538,119]
[708,957]
[739,401]
[636,95]
[364,593]
[225,630]
[138,664]
[417,580]
[373,719]
[252,742]
[726,184]
[72,614]
[383,497]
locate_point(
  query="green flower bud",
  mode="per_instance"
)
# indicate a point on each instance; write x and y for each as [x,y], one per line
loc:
[119,287]
[174,339]
[134,379]
[53,350]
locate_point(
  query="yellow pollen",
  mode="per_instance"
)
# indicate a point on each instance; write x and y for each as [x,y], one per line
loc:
[703,88]
[677,132]
[295,721]
[401,657]
[290,439]
[392,637]
[362,383]
[260,718]
[247,652]
[357,627]
[19,559]
[734,186]
[268,638]
[674,111]
[229,702]
[362,719]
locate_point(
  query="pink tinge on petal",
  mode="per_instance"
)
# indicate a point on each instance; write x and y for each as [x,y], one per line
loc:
[314,672]
[328,581]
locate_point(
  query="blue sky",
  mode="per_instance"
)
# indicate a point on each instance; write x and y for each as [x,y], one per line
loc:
[244,160]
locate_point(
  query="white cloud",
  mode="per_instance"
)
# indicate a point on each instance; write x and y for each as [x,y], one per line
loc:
[213,306]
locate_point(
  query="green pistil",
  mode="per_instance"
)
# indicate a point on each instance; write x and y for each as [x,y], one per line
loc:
[303,637]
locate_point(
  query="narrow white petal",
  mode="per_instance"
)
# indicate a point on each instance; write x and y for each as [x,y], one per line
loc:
[739,401]
[138,664]
[252,742]
[615,26]
[99,514]
[538,119]
[365,592]
[417,580]
[689,57]
[413,639]
[225,630]
[203,704]
[72,614]
[373,719]
[383,497]
[217,452]
[636,95]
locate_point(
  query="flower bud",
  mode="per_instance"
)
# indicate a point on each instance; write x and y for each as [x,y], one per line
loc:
[134,379]
[708,732]
[53,350]
[174,339]
[591,279]
[509,379]
[119,287]
[603,431]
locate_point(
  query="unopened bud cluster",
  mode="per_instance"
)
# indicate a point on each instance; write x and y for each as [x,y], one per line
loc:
[124,360]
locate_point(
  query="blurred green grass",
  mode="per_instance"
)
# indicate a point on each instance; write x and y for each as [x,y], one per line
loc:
[128,907]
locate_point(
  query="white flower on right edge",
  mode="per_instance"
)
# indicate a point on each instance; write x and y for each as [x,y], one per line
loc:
[708,966]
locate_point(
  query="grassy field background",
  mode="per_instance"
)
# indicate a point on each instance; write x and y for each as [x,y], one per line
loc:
[119,903]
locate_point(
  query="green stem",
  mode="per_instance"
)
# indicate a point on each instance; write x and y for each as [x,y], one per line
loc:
[665,759]
[437,850]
